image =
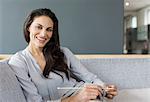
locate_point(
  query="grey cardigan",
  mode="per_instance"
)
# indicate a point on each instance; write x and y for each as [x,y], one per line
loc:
[37,88]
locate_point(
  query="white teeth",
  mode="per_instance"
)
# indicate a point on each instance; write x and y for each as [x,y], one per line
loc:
[41,39]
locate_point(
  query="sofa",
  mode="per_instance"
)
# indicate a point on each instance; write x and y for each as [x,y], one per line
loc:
[130,73]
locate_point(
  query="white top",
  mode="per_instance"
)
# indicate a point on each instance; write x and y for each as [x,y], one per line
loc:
[37,88]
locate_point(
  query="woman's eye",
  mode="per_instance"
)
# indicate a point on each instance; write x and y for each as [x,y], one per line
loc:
[50,30]
[38,27]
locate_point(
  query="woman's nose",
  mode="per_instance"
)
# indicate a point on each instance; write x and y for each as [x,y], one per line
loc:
[43,32]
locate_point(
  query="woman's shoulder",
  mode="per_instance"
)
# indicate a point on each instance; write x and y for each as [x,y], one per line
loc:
[18,55]
[67,52]
[65,49]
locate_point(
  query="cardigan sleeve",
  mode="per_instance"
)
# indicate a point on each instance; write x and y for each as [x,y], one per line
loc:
[79,69]
[18,65]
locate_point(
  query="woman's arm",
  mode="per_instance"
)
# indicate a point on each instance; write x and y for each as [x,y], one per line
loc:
[79,69]
[81,72]
[85,94]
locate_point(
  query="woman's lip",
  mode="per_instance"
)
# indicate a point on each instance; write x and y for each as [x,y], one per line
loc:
[41,39]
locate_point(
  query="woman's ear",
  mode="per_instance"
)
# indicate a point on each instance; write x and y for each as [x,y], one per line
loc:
[28,29]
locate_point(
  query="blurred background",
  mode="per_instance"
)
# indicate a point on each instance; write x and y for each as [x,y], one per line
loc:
[136,26]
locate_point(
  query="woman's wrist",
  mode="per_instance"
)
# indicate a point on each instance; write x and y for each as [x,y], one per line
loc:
[69,99]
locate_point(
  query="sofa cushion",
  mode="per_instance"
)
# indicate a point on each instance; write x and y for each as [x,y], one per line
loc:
[10,90]
[124,72]
[133,95]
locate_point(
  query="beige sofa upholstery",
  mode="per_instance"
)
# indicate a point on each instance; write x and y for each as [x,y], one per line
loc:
[89,56]
[4,56]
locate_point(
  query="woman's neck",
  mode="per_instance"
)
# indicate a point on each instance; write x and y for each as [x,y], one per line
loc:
[38,55]
[35,50]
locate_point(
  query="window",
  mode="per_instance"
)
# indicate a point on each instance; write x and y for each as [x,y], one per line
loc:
[148,16]
[134,22]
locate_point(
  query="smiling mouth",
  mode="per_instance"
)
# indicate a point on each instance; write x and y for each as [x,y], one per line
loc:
[41,40]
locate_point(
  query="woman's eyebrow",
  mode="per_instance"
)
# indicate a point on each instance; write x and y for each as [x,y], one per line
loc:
[43,26]
[39,24]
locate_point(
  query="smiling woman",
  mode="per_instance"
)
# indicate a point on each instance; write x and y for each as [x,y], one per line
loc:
[44,65]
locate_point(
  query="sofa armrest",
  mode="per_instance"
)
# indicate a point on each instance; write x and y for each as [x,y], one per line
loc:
[10,90]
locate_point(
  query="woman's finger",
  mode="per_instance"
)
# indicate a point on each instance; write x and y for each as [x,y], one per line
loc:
[114,93]
[110,96]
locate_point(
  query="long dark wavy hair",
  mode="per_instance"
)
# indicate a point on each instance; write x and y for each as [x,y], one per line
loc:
[55,60]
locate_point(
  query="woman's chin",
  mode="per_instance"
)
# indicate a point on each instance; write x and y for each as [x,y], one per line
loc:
[40,45]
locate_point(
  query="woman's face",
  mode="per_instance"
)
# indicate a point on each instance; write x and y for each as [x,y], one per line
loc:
[41,30]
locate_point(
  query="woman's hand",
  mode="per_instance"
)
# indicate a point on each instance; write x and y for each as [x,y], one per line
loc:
[111,91]
[87,93]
